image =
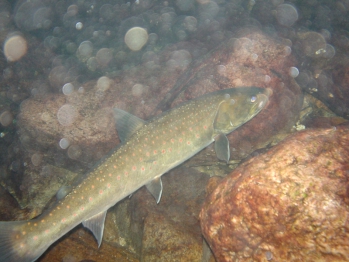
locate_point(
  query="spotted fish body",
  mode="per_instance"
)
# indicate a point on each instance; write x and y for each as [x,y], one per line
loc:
[149,150]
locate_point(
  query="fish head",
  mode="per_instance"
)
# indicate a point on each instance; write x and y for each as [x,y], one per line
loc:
[239,105]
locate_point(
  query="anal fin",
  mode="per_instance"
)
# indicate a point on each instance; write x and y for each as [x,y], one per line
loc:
[155,188]
[96,225]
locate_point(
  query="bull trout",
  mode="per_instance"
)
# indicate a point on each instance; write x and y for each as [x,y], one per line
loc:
[147,151]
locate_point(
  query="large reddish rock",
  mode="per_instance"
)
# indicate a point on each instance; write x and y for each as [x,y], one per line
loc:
[290,204]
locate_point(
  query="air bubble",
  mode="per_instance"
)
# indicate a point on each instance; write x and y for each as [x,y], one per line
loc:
[36,159]
[68,88]
[294,72]
[64,143]
[103,83]
[137,90]
[85,49]
[74,152]
[79,26]
[136,38]
[6,118]
[286,15]
[15,48]
[67,115]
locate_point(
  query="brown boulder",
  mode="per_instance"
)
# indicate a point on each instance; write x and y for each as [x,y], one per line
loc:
[290,204]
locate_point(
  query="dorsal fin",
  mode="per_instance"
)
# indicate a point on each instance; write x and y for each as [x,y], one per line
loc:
[126,123]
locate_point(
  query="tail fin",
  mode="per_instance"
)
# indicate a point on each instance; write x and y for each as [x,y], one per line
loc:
[15,245]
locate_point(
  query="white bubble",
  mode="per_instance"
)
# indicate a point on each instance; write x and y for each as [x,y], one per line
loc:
[64,143]
[267,79]
[85,49]
[81,90]
[36,159]
[330,51]
[181,35]
[294,72]
[106,11]
[190,23]
[68,88]
[180,58]
[287,50]
[286,14]
[15,48]
[185,5]
[209,10]
[6,118]
[72,10]
[74,152]
[221,69]
[326,34]
[79,25]
[103,83]
[92,64]
[137,90]
[254,57]
[103,56]
[313,44]
[153,38]
[67,115]
[136,38]
[277,2]
[268,255]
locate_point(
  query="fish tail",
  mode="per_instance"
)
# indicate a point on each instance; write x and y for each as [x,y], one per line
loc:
[15,245]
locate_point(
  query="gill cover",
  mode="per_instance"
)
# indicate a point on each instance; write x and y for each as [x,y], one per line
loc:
[237,109]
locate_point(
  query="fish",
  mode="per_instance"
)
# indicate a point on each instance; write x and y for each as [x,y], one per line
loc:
[148,150]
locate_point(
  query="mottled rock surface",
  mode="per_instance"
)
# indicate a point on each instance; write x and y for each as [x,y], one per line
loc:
[168,231]
[289,204]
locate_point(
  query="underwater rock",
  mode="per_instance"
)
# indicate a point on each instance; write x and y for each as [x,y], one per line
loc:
[167,231]
[290,203]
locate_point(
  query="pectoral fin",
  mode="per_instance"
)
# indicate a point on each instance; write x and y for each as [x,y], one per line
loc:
[222,147]
[155,188]
[96,225]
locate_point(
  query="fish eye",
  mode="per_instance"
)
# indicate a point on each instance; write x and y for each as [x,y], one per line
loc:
[253,99]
